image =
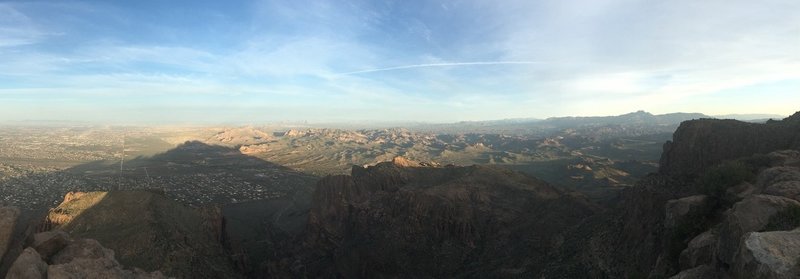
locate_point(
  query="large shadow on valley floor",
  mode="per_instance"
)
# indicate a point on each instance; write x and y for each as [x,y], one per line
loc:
[262,202]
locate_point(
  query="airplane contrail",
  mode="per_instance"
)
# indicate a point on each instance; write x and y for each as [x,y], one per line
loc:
[449,64]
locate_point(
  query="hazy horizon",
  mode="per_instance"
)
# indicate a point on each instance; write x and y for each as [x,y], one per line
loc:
[357,123]
[209,62]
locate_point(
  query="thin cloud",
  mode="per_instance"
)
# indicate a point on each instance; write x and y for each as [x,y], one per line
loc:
[432,65]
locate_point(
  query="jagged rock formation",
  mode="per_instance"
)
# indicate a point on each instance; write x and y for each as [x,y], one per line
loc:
[8,220]
[699,144]
[55,255]
[722,206]
[148,230]
[400,219]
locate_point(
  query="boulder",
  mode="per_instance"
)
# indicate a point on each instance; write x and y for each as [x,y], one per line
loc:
[785,158]
[79,258]
[768,255]
[749,215]
[742,191]
[81,249]
[789,189]
[49,243]
[701,250]
[8,220]
[681,210]
[700,272]
[29,265]
[774,175]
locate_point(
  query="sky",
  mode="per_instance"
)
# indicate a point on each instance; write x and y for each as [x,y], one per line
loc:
[429,61]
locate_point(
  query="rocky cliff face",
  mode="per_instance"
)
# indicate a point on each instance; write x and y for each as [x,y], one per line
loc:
[711,209]
[400,219]
[699,144]
[675,223]
[148,230]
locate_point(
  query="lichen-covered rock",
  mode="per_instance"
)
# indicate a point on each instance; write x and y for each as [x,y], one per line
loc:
[679,210]
[29,265]
[700,272]
[8,220]
[49,243]
[701,250]
[768,255]
[749,215]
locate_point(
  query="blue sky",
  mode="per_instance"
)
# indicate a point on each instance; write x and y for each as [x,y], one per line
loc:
[435,61]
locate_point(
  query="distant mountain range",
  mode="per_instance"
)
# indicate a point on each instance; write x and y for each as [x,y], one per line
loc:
[522,126]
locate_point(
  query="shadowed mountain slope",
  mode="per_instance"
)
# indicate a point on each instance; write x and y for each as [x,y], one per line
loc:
[699,144]
[690,217]
[402,219]
[148,230]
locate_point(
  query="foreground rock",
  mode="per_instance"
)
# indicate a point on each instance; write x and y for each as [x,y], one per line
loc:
[8,220]
[76,258]
[29,264]
[769,255]
[749,215]
[700,251]
[49,243]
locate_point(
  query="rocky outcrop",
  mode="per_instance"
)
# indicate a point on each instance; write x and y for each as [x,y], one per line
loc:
[400,219]
[769,255]
[679,211]
[699,144]
[62,257]
[29,265]
[776,175]
[749,215]
[147,230]
[700,251]
[8,220]
[49,243]
[789,189]
[656,228]
[73,205]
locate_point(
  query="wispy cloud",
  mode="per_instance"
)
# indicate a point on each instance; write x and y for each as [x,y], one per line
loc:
[16,28]
[463,60]
[446,64]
